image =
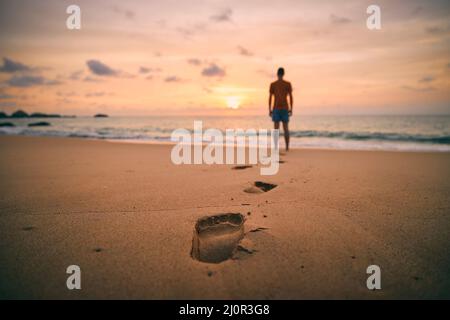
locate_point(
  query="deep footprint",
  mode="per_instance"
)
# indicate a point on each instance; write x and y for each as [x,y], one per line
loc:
[260,187]
[216,238]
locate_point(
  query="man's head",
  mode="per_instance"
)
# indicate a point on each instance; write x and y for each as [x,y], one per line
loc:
[280,73]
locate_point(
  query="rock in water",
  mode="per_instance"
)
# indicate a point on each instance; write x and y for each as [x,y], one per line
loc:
[101,115]
[39,124]
[7,124]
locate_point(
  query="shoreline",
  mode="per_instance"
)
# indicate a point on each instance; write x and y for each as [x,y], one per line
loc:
[144,142]
[170,143]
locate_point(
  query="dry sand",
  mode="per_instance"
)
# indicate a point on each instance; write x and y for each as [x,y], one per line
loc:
[126,215]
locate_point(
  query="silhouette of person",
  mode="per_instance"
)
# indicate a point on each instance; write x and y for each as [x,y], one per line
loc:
[281,109]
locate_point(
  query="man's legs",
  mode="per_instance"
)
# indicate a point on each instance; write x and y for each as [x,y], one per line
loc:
[276,125]
[286,133]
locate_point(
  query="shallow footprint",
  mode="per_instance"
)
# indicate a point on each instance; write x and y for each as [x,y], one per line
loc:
[241,167]
[260,187]
[216,238]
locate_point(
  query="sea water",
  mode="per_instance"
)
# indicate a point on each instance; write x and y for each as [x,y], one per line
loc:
[400,133]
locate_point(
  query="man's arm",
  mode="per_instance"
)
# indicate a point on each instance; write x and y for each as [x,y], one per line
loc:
[270,99]
[291,103]
[270,104]
[291,100]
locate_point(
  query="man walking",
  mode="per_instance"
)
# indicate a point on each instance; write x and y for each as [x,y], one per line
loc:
[281,110]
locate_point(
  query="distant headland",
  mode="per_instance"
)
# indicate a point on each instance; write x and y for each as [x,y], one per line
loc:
[23,114]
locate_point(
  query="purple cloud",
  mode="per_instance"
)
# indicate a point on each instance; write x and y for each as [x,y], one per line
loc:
[245,52]
[222,16]
[100,69]
[10,66]
[213,70]
[29,81]
[144,70]
[194,61]
[172,79]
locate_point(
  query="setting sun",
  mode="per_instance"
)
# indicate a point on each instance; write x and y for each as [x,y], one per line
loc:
[233,102]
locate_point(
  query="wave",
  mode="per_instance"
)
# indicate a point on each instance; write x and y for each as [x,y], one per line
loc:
[380,136]
[313,138]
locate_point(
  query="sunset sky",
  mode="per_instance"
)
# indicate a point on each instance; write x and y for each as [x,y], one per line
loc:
[219,57]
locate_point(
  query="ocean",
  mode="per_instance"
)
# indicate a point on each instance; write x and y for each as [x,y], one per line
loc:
[396,133]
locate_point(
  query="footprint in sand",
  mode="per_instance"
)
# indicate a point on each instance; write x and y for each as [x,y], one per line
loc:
[241,167]
[258,229]
[260,187]
[216,238]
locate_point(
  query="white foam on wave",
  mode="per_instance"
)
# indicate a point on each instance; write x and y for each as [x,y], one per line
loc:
[422,134]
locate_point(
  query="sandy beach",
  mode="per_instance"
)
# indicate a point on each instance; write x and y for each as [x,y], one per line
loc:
[126,215]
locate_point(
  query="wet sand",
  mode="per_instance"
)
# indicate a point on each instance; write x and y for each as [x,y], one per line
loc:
[126,215]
